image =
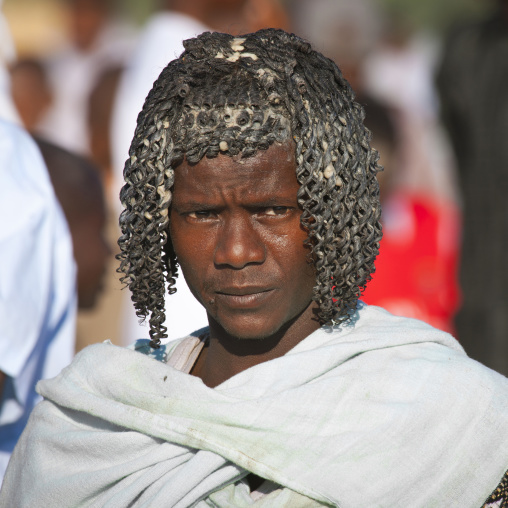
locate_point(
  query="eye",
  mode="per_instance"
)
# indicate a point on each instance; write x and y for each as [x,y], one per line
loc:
[276,210]
[201,214]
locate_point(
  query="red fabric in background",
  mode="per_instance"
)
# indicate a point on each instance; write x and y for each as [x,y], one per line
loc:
[416,270]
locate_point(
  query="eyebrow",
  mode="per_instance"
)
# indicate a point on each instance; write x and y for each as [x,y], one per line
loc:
[256,203]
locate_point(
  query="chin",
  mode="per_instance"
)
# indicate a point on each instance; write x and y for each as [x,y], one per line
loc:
[251,327]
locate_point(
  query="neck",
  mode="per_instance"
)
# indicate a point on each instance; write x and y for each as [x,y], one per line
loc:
[227,356]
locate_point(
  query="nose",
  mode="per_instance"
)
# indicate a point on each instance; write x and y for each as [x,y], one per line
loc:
[238,244]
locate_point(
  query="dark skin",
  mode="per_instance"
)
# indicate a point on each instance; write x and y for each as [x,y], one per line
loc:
[30,91]
[79,191]
[235,228]
[86,19]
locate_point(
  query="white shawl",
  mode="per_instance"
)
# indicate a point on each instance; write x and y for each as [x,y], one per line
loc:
[387,412]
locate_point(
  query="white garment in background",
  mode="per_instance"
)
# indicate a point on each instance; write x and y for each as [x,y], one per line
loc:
[160,42]
[7,56]
[385,412]
[403,78]
[73,75]
[37,283]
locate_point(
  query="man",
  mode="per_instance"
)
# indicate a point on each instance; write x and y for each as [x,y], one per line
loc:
[37,272]
[96,43]
[30,91]
[37,284]
[474,102]
[252,171]
[79,191]
[417,264]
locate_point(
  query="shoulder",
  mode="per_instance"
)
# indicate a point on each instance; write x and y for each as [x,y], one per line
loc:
[167,351]
[371,320]
[434,357]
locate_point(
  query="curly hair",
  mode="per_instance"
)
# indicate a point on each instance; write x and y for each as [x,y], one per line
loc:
[237,95]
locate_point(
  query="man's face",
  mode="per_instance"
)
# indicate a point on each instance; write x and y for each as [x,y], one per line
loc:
[235,228]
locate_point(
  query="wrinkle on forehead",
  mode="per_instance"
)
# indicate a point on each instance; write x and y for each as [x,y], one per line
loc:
[261,157]
[266,171]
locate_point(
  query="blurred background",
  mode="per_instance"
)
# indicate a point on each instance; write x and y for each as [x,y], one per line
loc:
[431,76]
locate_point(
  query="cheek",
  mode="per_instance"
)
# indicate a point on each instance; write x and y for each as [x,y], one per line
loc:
[286,255]
[291,246]
[294,260]
[186,244]
[193,251]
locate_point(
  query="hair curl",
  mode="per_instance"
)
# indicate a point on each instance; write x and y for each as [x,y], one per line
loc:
[237,95]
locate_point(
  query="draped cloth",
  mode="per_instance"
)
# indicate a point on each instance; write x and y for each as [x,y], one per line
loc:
[37,282]
[383,412]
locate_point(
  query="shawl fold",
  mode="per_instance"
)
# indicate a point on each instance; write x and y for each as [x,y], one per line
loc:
[384,412]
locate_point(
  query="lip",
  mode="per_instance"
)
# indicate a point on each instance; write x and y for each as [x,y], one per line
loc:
[244,297]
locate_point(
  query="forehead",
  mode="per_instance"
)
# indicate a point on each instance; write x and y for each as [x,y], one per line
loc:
[268,172]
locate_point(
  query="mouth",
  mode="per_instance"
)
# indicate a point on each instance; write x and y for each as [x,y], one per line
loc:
[243,290]
[244,297]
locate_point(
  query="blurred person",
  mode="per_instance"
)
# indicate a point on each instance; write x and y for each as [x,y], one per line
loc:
[383,59]
[100,114]
[37,284]
[31,92]
[37,271]
[344,30]
[472,81]
[162,41]
[97,41]
[251,172]
[399,72]
[104,320]
[79,191]
[399,68]
[416,269]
